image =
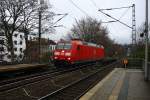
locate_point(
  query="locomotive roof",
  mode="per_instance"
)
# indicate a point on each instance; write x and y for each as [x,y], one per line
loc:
[80,42]
[86,43]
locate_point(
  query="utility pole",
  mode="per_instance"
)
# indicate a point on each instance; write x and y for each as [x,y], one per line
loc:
[133,30]
[146,43]
[40,16]
[133,26]
[39,36]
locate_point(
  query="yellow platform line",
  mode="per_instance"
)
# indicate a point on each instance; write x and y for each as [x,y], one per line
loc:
[116,90]
[93,91]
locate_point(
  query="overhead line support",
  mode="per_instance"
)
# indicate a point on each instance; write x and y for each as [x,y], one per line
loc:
[115,19]
[115,8]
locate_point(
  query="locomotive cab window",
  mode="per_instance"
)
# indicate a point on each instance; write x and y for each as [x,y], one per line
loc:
[60,46]
[67,46]
[63,46]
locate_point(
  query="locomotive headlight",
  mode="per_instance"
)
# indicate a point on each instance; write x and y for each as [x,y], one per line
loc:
[56,53]
[67,54]
[55,57]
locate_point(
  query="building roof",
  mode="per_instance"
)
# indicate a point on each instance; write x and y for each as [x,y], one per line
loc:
[43,42]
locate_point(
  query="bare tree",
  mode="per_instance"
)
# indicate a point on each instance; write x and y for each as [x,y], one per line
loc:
[18,15]
[32,23]
[90,30]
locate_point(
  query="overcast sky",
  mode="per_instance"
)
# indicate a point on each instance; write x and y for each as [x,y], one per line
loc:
[117,31]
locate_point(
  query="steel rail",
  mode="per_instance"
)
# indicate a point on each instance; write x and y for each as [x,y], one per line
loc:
[4,86]
[60,91]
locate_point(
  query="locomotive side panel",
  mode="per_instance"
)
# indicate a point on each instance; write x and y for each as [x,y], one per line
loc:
[78,52]
[75,54]
[100,53]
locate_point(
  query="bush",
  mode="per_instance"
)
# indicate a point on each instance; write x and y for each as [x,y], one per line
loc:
[46,57]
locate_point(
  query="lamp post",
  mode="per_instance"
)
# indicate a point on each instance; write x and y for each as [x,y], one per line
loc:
[146,43]
[40,33]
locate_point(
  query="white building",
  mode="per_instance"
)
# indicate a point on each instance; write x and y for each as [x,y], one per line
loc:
[19,47]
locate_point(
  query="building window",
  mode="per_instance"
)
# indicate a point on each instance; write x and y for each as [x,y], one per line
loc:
[1,57]
[2,42]
[9,56]
[15,56]
[21,36]
[15,42]
[15,35]
[2,34]
[30,38]
[1,48]
[15,49]
[20,49]
[20,56]
[20,42]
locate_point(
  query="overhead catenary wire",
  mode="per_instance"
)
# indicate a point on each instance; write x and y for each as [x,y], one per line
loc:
[109,21]
[79,8]
[119,17]
[114,18]
[124,14]
[115,30]
[93,2]
[69,14]
[95,5]
[64,15]
[116,8]
[133,27]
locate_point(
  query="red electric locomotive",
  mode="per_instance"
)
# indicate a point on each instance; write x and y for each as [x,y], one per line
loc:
[77,51]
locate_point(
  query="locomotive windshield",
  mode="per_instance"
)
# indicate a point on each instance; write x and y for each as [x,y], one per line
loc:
[60,46]
[63,46]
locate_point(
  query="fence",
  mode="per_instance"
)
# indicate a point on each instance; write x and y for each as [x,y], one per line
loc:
[34,56]
[135,63]
[139,63]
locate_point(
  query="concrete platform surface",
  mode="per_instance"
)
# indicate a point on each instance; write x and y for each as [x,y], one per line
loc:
[8,68]
[121,84]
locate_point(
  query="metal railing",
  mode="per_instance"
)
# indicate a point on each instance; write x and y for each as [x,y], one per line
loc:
[135,63]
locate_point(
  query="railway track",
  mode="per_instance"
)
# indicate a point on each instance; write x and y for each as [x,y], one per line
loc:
[22,81]
[76,89]
[22,77]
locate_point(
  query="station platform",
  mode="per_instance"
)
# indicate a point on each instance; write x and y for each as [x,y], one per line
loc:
[18,67]
[121,84]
